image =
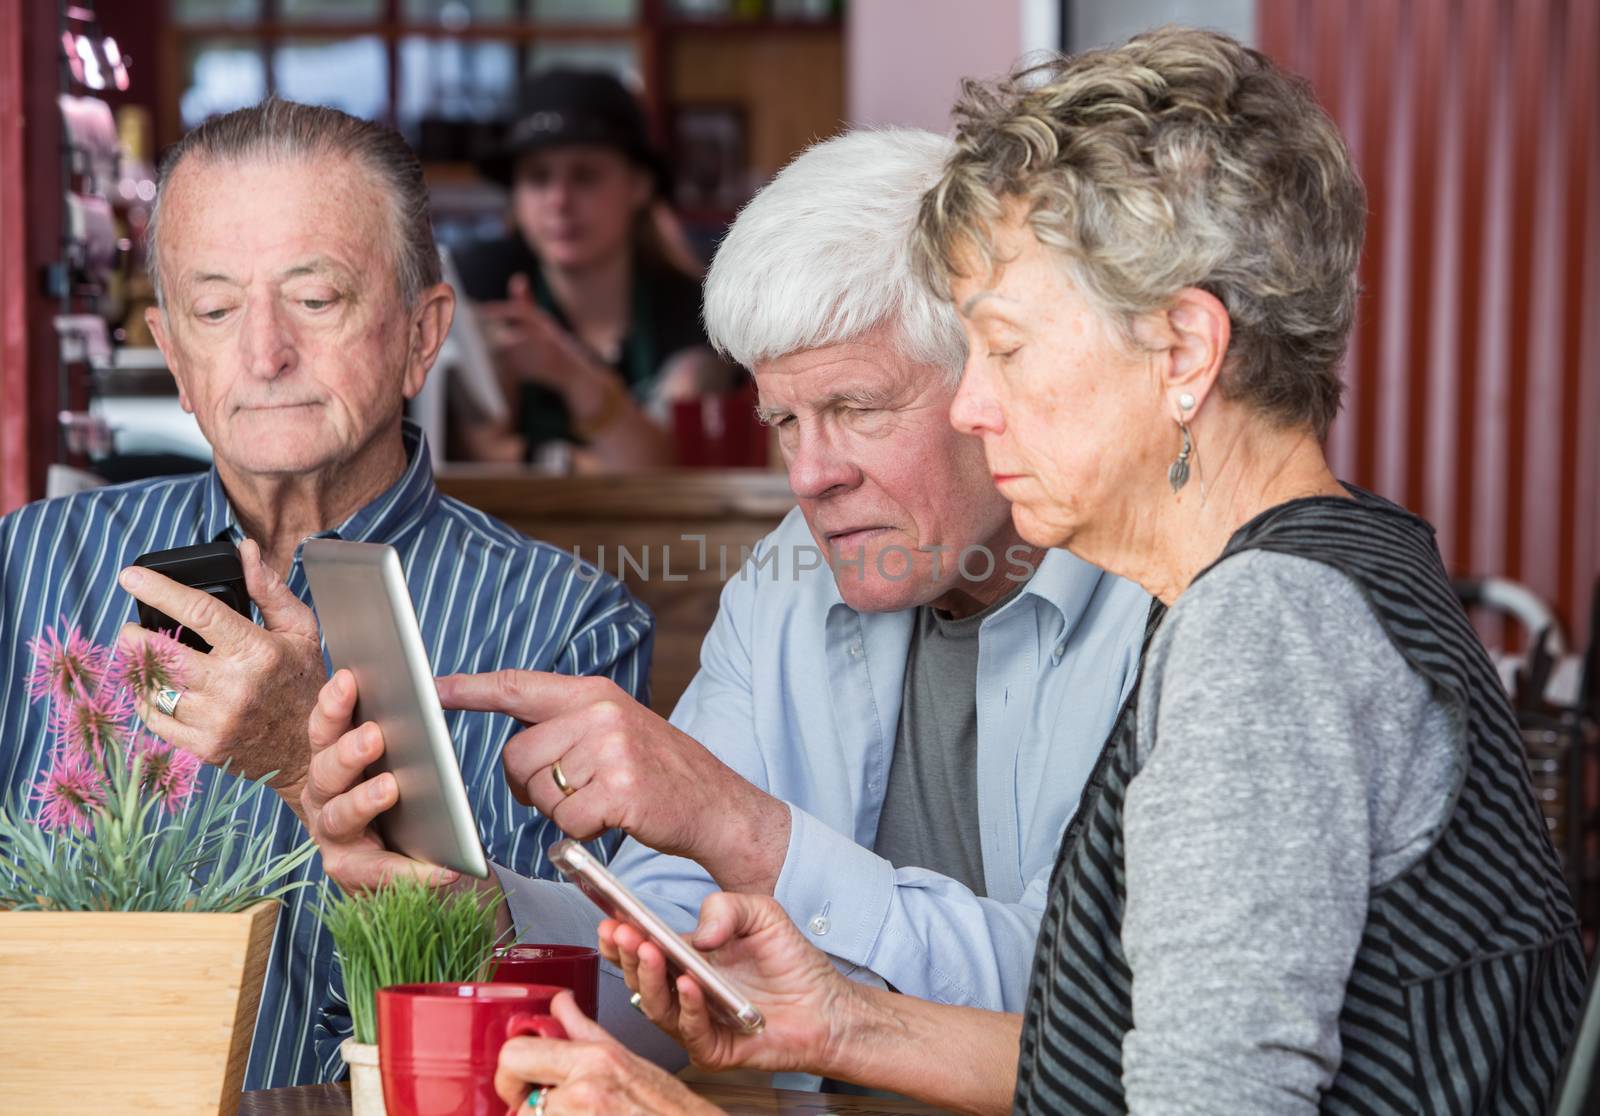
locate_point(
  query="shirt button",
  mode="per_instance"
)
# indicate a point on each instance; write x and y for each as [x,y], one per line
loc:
[855,650]
[819,926]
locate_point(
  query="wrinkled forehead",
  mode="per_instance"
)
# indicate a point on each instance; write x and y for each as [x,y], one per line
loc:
[260,208]
[869,371]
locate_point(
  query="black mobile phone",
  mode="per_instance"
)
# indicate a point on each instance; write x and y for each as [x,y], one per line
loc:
[212,567]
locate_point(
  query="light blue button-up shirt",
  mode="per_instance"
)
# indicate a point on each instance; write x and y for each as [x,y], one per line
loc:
[800,694]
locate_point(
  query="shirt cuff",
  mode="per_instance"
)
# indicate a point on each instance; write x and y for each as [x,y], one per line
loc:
[836,890]
[546,912]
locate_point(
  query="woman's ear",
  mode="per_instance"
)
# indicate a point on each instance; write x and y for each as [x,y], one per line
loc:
[1198,328]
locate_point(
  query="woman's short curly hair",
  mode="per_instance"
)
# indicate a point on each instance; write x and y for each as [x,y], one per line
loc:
[1178,159]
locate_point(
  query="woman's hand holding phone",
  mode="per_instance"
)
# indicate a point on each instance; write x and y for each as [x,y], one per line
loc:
[810,1008]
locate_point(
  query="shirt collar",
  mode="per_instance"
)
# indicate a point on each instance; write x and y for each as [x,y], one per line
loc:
[396,511]
[1067,583]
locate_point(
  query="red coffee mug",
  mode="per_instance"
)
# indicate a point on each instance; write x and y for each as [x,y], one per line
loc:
[438,1044]
[566,966]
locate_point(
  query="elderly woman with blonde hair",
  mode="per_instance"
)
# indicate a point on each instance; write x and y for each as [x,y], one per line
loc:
[1309,873]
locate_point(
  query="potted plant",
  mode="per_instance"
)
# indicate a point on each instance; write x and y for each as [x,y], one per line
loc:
[135,916]
[403,932]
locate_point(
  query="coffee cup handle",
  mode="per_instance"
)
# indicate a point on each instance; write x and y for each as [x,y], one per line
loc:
[540,1026]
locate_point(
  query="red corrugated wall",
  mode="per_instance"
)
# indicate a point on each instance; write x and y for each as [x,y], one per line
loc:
[1474,372]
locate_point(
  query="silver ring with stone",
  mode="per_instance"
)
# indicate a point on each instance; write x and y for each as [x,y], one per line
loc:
[167,700]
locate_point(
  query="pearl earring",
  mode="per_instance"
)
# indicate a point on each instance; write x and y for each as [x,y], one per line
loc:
[1186,401]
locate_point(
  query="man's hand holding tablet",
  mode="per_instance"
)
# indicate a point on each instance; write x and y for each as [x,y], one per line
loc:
[370,627]
[341,806]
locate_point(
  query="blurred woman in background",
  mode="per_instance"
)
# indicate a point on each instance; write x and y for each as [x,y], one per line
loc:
[591,308]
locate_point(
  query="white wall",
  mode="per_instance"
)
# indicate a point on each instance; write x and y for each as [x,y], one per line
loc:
[904,59]
[1094,23]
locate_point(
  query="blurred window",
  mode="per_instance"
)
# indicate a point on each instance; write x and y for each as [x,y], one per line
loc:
[584,11]
[454,79]
[451,14]
[330,11]
[453,95]
[701,9]
[348,74]
[216,11]
[221,75]
[444,72]
[616,56]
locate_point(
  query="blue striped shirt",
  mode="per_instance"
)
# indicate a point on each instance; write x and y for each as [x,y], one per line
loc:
[486,597]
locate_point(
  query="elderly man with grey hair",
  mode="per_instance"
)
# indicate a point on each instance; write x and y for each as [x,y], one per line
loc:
[300,306]
[889,742]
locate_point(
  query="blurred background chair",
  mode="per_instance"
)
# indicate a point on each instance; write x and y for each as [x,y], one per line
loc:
[1556,696]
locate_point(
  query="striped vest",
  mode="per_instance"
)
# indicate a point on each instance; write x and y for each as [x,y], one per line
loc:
[1469,976]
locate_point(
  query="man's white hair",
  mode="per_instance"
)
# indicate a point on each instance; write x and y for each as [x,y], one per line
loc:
[822,255]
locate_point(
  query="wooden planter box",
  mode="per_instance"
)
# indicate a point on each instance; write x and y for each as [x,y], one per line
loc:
[129,1011]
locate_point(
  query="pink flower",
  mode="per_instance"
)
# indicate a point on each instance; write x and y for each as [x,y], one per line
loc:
[153,664]
[93,724]
[70,792]
[65,664]
[169,771]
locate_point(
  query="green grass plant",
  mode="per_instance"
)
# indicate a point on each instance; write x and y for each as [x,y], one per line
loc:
[407,932]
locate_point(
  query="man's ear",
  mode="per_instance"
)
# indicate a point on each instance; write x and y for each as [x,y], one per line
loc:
[430,325]
[156,320]
[1197,329]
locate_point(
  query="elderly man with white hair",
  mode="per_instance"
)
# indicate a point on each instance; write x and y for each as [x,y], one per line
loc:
[890,743]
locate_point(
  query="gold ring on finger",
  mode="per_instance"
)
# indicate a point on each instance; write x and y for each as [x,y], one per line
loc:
[562,785]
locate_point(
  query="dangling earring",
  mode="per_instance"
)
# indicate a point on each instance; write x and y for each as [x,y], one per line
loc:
[1178,471]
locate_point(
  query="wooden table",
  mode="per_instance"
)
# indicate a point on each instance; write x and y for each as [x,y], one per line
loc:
[737,1100]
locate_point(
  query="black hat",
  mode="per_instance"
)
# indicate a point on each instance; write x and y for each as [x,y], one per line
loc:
[559,107]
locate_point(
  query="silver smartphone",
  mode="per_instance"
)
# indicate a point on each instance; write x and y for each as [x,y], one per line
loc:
[611,896]
[359,593]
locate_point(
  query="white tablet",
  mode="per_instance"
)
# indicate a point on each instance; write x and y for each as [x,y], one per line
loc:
[360,596]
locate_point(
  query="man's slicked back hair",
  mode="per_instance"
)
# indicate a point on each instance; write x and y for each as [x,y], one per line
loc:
[287,130]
